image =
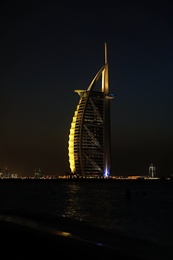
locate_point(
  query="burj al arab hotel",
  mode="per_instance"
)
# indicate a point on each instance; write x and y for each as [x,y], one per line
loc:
[89,144]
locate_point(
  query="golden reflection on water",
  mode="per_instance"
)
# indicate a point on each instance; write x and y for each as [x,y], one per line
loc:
[73,202]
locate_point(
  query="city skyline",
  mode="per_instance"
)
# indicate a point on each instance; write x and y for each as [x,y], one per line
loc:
[46,51]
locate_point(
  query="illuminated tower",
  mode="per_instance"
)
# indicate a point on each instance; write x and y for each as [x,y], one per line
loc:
[89,147]
[152,170]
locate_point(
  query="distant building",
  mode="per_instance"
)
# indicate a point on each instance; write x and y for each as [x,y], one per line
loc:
[1,173]
[37,173]
[7,173]
[152,170]
[89,145]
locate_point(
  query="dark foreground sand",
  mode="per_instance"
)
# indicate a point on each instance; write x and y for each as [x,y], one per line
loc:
[34,237]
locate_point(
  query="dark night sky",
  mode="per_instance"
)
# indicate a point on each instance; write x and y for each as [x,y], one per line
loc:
[49,49]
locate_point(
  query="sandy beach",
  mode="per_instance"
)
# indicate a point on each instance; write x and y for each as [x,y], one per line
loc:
[26,237]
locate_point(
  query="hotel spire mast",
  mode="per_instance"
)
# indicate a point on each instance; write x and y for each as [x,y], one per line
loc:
[107,141]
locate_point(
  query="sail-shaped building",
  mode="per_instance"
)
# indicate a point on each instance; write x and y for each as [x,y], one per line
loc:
[89,144]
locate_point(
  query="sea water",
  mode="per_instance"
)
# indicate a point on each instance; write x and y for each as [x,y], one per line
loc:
[146,211]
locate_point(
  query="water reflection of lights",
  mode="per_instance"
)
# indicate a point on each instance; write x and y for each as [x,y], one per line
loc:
[73,202]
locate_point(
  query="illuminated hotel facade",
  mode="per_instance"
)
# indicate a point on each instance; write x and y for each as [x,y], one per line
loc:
[89,144]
